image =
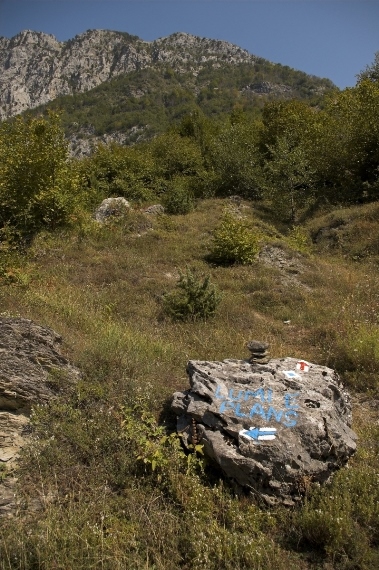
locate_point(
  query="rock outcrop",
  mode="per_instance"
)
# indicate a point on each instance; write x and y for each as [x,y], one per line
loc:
[35,67]
[111,208]
[32,371]
[271,428]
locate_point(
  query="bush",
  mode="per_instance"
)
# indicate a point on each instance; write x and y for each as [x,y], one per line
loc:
[38,185]
[178,199]
[299,239]
[194,299]
[234,242]
[341,519]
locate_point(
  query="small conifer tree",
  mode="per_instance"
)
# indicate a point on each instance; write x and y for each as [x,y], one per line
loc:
[193,299]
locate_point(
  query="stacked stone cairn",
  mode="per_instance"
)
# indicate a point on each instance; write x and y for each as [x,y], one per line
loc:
[259,352]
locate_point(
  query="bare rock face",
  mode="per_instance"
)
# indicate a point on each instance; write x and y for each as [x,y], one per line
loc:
[272,428]
[32,371]
[35,68]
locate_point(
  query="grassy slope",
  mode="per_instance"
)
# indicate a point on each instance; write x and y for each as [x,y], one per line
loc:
[101,289]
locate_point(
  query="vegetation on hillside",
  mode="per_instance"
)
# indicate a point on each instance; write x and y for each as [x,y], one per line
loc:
[146,102]
[295,156]
[137,297]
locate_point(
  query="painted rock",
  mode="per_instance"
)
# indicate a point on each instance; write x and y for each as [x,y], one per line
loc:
[271,428]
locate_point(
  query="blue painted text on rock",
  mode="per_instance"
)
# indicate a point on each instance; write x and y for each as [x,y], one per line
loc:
[237,402]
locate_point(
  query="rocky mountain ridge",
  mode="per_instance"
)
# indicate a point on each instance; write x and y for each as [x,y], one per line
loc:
[35,67]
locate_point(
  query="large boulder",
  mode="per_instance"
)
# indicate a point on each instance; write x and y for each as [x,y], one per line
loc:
[111,208]
[32,371]
[272,428]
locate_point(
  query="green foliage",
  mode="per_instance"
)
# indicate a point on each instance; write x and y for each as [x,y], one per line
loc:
[289,173]
[193,299]
[298,238]
[338,519]
[351,138]
[104,507]
[178,199]
[158,450]
[13,268]
[235,159]
[146,102]
[176,155]
[234,241]
[371,72]
[114,170]
[290,178]
[38,185]
[117,488]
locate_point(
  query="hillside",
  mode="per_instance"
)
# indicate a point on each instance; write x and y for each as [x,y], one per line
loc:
[117,85]
[101,287]
[234,227]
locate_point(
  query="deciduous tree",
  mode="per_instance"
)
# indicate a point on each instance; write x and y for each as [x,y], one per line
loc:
[38,187]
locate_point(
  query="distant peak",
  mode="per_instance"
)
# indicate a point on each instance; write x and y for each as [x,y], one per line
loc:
[31,37]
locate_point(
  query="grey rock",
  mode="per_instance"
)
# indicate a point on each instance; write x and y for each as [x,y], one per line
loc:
[154,210]
[269,427]
[265,87]
[257,346]
[32,372]
[111,208]
[259,352]
[290,265]
[36,68]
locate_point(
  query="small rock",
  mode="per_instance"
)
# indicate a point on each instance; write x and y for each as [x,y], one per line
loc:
[258,351]
[154,210]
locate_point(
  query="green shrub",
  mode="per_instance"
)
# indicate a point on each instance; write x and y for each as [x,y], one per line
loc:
[38,185]
[298,238]
[193,299]
[234,241]
[178,199]
[341,519]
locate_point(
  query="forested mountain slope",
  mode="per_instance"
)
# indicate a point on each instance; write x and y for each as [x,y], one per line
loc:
[139,86]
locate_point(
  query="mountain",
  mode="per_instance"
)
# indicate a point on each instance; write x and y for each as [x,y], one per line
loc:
[114,85]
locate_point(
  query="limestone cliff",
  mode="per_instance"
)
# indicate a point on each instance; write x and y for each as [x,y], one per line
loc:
[35,67]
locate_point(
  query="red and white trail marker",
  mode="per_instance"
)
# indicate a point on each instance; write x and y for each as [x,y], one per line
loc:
[302,365]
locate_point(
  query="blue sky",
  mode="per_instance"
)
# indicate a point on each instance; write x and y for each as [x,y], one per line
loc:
[327,38]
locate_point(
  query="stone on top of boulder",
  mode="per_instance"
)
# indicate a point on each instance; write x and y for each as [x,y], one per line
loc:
[269,427]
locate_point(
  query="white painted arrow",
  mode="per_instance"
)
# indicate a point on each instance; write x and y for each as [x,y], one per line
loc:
[259,434]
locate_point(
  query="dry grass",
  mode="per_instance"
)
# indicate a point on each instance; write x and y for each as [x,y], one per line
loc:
[101,288]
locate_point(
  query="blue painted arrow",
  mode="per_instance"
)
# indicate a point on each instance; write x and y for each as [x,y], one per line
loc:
[259,433]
